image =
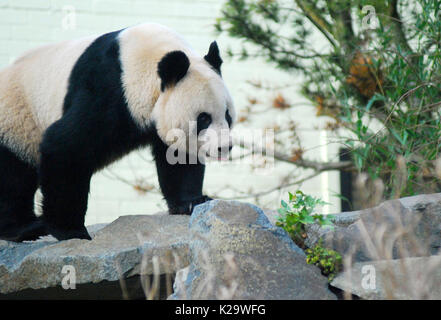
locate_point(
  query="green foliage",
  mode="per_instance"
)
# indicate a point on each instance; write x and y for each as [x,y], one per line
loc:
[329,261]
[380,83]
[298,212]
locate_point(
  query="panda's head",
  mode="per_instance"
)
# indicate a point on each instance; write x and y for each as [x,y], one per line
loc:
[194,112]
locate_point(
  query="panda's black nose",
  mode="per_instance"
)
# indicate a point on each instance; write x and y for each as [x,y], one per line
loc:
[220,148]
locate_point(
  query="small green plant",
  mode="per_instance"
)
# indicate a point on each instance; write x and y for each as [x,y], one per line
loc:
[299,212]
[329,261]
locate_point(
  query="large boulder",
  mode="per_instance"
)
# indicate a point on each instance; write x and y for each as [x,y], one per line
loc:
[409,278]
[236,253]
[130,246]
[407,227]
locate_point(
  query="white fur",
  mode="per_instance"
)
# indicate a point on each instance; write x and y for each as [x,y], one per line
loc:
[32,92]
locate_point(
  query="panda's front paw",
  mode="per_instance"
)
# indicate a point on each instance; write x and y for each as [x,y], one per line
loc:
[200,200]
[65,234]
[187,208]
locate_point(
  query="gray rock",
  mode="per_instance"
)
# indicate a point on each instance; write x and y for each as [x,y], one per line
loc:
[92,229]
[345,219]
[421,200]
[410,278]
[236,253]
[272,215]
[179,285]
[408,227]
[131,245]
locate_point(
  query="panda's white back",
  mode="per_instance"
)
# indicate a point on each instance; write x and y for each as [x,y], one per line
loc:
[32,92]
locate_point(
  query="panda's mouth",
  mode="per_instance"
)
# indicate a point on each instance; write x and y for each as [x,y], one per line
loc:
[217,158]
[216,153]
[225,156]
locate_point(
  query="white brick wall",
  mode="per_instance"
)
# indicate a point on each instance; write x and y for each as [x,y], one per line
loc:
[25,24]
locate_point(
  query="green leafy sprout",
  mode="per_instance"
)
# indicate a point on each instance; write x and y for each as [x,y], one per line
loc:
[294,216]
[298,212]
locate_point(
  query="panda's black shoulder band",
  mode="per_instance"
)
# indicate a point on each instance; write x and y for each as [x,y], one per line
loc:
[172,68]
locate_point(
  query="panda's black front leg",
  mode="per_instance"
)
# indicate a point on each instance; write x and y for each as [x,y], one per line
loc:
[64,181]
[65,190]
[181,184]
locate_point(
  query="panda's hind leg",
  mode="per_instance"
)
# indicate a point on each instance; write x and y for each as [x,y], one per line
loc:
[18,183]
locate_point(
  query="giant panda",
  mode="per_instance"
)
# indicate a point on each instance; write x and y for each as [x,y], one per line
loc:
[69,109]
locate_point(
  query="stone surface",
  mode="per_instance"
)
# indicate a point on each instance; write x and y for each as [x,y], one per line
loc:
[129,246]
[236,253]
[232,251]
[407,227]
[272,215]
[410,278]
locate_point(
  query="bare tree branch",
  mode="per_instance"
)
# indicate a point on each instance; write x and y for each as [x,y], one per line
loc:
[263,193]
[303,163]
[313,15]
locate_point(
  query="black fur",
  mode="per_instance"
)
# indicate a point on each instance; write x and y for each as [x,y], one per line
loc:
[181,184]
[203,121]
[228,118]
[95,129]
[213,57]
[172,68]
[18,184]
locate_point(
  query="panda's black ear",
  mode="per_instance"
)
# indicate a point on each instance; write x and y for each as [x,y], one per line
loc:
[172,68]
[213,57]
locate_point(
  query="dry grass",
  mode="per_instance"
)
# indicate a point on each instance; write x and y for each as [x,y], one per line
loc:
[400,236]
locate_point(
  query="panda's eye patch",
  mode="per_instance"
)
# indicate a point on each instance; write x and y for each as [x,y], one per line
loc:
[203,121]
[228,118]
